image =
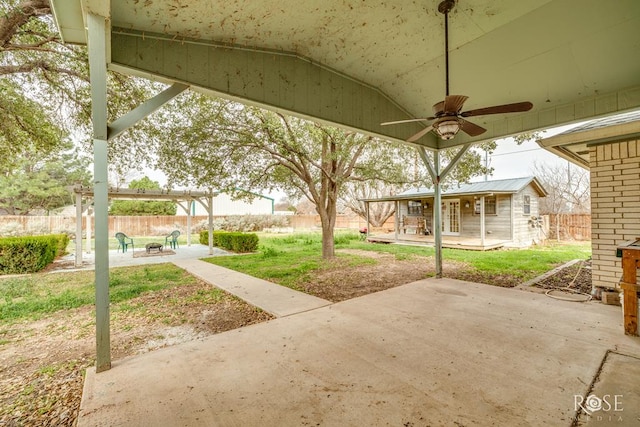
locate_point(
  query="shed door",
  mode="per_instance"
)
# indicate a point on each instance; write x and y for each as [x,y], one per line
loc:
[451,217]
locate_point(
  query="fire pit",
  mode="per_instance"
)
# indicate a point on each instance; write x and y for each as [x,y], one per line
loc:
[153,246]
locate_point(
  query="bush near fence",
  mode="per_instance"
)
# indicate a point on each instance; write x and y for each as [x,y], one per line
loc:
[232,241]
[30,254]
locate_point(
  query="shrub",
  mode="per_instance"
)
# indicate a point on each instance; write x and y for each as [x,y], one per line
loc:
[30,254]
[245,223]
[236,242]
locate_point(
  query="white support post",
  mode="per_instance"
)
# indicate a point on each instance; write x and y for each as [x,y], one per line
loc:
[437,177]
[437,210]
[97,33]
[78,262]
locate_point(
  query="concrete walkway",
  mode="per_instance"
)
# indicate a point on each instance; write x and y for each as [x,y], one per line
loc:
[274,299]
[433,352]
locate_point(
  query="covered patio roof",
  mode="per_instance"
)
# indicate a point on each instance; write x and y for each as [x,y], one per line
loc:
[359,65]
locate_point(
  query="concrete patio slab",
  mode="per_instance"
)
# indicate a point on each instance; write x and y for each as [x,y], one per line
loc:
[433,352]
[274,299]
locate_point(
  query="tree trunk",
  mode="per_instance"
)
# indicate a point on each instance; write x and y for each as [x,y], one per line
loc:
[328,212]
[328,244]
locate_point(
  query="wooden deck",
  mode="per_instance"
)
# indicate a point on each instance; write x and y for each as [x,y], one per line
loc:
[455,242]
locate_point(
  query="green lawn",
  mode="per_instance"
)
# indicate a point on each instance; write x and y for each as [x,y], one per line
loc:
[291,259]
[35,295]
[286,259]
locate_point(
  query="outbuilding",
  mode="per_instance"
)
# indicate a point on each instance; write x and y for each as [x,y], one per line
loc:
[480,215]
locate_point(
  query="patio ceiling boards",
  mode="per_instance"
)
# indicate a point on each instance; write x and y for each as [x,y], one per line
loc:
[359,66]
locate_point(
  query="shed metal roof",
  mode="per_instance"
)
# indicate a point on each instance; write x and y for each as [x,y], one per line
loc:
[499,186]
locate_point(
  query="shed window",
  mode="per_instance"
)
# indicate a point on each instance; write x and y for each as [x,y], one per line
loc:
[414,208]
[526,208]
[489,206]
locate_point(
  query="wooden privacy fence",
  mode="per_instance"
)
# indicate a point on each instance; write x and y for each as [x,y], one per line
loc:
[11,225]
[131,225]
[570,226]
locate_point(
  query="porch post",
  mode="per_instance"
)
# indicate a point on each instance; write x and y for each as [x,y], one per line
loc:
[437,211]
[482,224]
[189,204]
[78,229]
[397,219]
[97,29]
[88,227]
[366,214]
[210,211]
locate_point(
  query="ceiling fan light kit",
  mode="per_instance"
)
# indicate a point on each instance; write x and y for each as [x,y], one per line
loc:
[447,129]
[448,114]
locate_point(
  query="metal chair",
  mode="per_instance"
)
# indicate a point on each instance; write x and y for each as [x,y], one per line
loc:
[172,239]
[124,242]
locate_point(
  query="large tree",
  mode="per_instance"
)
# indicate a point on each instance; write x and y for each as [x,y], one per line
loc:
[29,184]
[45,88]
[228,146]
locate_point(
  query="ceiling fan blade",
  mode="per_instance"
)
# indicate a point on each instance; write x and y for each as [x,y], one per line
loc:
[438,108]
[420,134]
[499,109]
[404,121]
[454,103]
[471,129]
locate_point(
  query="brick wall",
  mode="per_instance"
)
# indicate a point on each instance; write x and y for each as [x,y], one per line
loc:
[615,206]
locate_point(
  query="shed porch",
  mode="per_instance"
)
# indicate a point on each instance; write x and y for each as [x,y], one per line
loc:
[455,242]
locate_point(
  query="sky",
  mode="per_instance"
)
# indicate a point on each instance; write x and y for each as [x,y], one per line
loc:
[511,160]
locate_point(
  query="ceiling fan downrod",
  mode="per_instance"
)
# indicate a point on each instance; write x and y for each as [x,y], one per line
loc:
[445,7]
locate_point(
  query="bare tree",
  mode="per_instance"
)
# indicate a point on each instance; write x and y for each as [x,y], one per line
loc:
[568,191]
[379,212]
[568,188]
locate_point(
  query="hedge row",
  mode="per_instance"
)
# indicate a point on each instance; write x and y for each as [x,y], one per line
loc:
[30,253]
[236,242]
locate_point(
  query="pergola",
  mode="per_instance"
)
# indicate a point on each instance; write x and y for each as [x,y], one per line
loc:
[183,198]
[356,65]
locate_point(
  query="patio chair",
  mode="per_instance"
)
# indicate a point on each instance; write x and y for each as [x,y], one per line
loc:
[124,242]
[172,239]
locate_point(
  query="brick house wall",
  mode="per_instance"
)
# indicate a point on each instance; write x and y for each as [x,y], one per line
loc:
[615,206]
